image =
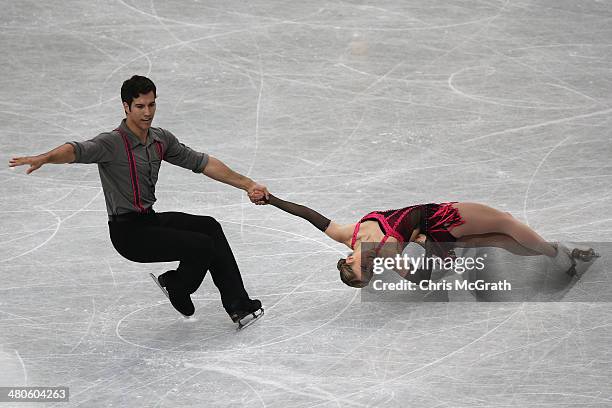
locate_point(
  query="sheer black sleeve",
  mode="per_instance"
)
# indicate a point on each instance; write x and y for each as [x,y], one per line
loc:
[306,213]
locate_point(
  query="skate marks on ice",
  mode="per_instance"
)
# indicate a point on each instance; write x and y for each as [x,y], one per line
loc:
[482,101]
[213,331]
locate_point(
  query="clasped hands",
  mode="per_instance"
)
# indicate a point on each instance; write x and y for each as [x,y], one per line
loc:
[258,194]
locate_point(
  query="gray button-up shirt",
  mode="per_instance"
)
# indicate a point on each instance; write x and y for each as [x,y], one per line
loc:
[128,169]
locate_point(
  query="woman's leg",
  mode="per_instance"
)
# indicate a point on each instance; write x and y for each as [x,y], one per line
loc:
[495,240]
[481,219]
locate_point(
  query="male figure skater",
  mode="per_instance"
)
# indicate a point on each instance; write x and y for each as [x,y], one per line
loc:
[129,159]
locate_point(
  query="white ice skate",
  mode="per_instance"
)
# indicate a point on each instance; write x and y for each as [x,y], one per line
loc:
[563,260]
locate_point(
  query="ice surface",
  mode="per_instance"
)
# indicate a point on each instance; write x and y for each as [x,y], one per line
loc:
[346,107]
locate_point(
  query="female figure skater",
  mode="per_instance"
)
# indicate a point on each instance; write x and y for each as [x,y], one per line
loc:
[438,227]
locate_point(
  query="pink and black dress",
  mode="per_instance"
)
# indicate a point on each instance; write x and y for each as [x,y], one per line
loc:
[434,220]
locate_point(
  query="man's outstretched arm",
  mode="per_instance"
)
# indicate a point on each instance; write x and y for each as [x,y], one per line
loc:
[61,154]
[217,170]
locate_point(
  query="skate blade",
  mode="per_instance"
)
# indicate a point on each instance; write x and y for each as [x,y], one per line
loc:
[253,318]
[585,255]
[165,292]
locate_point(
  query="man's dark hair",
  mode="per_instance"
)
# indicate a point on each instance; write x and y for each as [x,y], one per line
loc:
[136,86]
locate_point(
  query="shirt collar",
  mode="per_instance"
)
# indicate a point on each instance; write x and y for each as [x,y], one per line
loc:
[133,139]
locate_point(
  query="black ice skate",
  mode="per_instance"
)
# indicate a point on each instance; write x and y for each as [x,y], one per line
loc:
[245,308]
[180,300]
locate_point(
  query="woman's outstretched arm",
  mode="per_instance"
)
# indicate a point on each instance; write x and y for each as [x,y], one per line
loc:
[330,228]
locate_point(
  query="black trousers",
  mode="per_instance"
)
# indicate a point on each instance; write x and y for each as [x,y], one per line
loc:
[198,242]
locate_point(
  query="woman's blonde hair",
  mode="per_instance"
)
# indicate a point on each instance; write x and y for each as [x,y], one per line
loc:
[348,276]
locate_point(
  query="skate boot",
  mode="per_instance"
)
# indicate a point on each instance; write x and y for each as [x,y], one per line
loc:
[584,255]
[179,298]
[563,260]
[242,308]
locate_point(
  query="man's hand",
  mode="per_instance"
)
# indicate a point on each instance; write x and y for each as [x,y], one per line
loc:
[61,154]
[35,162]
[258,194]
[217,170]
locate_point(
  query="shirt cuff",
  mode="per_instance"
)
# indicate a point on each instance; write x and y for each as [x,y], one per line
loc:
[202,164]
[77,151]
